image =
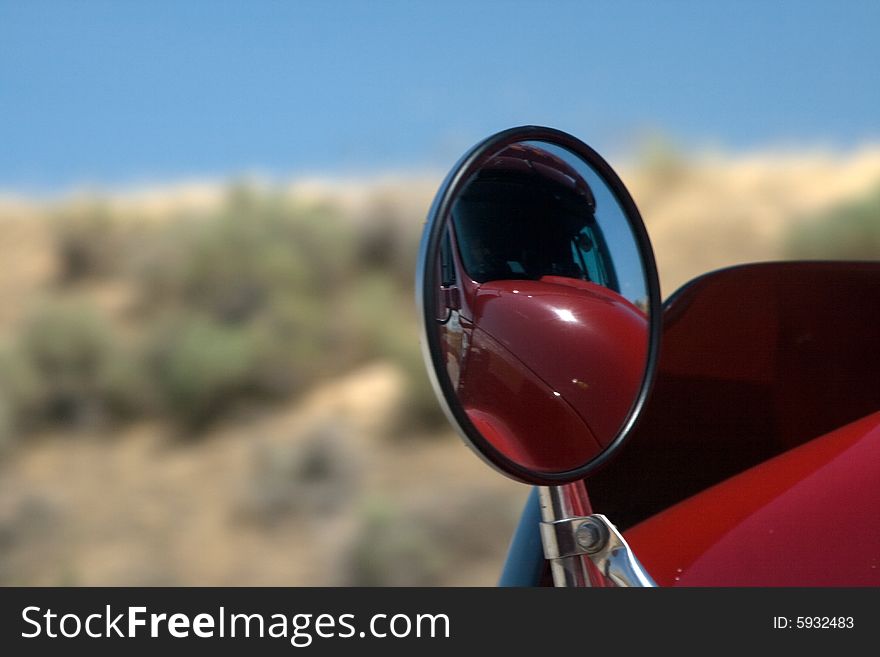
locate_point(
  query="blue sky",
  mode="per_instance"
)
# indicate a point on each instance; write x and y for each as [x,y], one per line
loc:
[122,92]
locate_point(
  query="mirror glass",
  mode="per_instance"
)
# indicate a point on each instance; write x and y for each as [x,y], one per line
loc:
[540,305]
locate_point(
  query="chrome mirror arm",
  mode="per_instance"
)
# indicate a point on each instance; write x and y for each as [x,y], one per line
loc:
[585,550]
[611,554]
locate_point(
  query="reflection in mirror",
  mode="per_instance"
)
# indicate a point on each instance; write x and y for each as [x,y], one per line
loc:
[542,306]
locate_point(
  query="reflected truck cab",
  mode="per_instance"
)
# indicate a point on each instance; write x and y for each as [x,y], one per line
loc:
[513,273]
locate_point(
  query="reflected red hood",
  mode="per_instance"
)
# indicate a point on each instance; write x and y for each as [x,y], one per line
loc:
[584,341]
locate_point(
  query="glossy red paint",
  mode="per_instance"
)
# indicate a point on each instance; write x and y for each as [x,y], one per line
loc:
[755,360]
[596,359]
[542,431]
[574,392]
[757,363]
[805,518]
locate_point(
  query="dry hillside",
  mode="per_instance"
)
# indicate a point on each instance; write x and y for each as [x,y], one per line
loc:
[328,478]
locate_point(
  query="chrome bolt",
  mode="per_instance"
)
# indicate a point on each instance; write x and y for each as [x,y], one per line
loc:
[590,536]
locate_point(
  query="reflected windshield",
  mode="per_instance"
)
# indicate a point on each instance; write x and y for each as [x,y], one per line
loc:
[516,229]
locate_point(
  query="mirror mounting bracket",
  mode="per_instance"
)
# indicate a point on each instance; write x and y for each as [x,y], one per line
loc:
[586,550]
[451,298]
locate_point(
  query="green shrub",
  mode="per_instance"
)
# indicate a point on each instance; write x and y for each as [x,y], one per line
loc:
[67,367]
[662,159]
[234,264]
[847,232]
[313,475]
[258,299]
[199,367]
[419,543]
[393,548]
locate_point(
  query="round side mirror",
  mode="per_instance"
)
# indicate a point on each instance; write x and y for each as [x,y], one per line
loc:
[539,303]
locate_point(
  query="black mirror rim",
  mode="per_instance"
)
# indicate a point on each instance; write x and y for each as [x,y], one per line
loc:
[426,286]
